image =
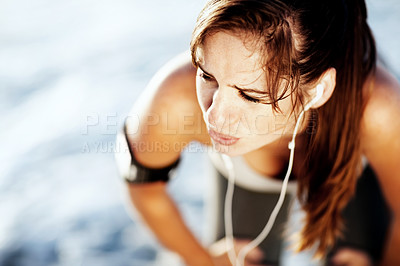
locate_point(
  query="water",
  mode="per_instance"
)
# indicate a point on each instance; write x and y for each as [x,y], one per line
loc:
[69,73]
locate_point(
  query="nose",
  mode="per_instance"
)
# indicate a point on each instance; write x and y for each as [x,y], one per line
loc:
[222,115]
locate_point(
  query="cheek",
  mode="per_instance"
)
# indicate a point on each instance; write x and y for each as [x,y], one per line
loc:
[263,122]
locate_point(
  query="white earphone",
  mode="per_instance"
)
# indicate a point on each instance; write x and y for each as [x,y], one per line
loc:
[320,92]
[240,258]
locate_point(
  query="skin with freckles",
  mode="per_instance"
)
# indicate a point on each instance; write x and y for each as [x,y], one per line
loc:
[227,68]
[239,48]
[238,124]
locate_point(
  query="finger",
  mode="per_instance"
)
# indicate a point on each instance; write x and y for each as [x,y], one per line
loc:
[351,257]
[256,255]
[218,248]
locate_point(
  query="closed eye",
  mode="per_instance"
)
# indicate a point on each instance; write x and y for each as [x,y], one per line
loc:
[206,77]
[247,97]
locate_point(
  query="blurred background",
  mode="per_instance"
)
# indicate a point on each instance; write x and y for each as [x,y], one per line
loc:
[69,74]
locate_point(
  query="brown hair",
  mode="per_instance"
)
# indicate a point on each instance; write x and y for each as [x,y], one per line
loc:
[300,41]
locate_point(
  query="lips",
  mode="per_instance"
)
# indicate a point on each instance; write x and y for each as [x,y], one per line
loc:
[222,139]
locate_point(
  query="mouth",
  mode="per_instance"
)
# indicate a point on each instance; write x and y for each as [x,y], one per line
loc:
[221,138]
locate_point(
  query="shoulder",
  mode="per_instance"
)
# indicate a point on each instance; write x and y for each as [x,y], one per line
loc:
[380,132]
[166,117]
[172,96]
[173,85]
[381,118]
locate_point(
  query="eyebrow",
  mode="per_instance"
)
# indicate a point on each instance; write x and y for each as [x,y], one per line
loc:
[233,86]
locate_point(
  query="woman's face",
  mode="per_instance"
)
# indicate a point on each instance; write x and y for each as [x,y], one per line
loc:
[237,122]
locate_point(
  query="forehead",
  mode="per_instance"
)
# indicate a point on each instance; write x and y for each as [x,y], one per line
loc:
[230,54]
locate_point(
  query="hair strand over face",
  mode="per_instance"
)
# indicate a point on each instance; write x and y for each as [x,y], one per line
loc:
[299,41]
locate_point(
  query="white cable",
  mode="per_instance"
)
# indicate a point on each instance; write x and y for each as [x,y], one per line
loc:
[228,210]
[239,260]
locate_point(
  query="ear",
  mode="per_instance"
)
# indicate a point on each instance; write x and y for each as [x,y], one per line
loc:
[328,81]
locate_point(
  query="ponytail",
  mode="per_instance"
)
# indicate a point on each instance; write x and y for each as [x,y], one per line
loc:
[330,184]
[300,40]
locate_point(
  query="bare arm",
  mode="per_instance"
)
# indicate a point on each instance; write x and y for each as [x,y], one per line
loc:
[162,122]
[381,145]
[162,216]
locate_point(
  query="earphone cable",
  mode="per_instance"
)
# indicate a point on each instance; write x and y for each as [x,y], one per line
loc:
[239,260]
[228,210]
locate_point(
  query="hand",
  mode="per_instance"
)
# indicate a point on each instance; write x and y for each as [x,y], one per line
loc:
[350,257]
[220,257]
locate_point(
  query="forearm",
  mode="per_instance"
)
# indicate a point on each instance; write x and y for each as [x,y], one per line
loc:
[392,255]
[161,214]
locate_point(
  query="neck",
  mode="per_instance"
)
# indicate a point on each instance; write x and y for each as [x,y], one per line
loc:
[272,159]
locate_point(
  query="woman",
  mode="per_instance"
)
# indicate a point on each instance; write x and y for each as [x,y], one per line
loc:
[257,67]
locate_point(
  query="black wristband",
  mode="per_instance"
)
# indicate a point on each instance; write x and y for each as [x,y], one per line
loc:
[135,172]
